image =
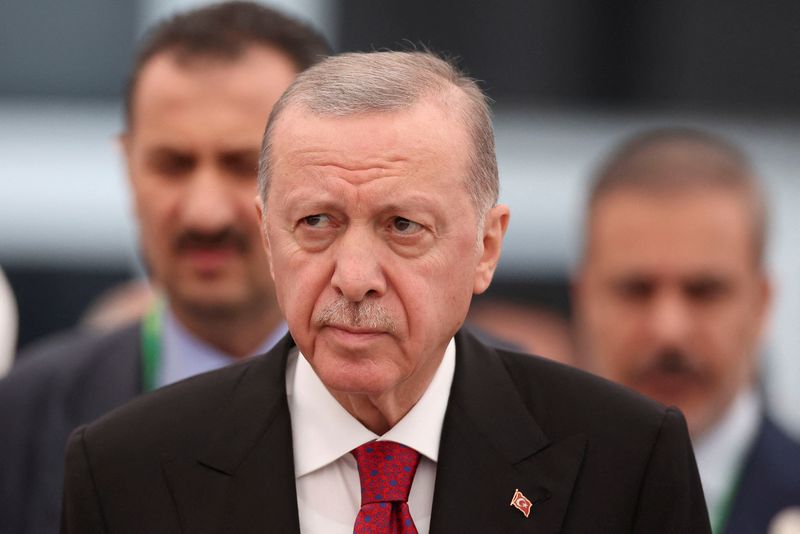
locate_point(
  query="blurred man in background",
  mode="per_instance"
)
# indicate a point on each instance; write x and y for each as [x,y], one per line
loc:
[671,299]
[201,90]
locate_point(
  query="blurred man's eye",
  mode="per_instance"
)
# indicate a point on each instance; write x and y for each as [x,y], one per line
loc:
[634,289]
[172,163]
[244,165]
[706,289]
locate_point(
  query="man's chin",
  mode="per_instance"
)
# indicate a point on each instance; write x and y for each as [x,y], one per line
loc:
[207,304]
[210,263]
[671,389]
[354,377]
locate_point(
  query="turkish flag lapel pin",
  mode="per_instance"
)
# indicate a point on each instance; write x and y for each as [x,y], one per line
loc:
[521,503]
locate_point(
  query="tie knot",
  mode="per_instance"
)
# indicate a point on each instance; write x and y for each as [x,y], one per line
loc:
[386,470]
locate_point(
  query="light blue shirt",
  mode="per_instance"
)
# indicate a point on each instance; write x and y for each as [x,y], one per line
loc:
[184,355]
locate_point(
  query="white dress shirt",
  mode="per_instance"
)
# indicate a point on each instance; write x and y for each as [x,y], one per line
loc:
[721,451]
[324,433]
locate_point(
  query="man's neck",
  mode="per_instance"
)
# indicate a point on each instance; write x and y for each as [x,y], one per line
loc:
[238,335]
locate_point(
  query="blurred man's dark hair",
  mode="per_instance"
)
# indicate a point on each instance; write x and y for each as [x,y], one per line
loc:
[225,31]
[676,158]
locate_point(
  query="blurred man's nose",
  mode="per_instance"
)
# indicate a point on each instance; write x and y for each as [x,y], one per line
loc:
[208,205]
[357,271]
[670,318]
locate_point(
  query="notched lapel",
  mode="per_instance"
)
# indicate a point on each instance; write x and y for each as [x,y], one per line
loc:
[244,481]
[491,446]
[199,494]
[475,483]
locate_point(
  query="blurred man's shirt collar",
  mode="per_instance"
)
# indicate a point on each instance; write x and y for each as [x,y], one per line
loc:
[184,355]
[721,452]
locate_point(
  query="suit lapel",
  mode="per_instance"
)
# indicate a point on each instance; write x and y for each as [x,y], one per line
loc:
[244,481]
[491,446]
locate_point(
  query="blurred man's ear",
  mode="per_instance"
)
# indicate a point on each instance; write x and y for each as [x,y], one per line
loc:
[494,229]
[123,143]
[764,303]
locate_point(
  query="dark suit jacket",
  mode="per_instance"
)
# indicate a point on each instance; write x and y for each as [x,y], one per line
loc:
[214,454]
[769,483]
[58,384]
[61,383]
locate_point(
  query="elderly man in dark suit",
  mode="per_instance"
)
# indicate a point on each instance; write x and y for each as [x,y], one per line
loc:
[378,413]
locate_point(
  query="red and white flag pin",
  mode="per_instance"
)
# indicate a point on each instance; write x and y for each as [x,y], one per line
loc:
[521,503]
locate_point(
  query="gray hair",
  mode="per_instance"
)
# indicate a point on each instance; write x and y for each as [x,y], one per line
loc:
[670,159]
[354,83]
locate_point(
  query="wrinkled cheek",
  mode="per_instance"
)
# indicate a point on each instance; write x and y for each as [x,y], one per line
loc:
[299,287]
[283,285]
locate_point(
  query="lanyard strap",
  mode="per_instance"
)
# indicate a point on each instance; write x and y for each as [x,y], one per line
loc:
[151,345]
[720,519]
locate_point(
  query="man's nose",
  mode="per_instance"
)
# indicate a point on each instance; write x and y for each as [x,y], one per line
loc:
[209,204]
[357,271]
[670,318]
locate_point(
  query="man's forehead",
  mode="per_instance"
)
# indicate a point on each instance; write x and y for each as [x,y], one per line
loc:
[421,132]
[686,227]
[257,77]
[702,204]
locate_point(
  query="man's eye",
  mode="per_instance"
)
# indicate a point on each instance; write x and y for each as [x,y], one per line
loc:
[316,221]
[172,164]
[707,289]
[634,289]
[404,226]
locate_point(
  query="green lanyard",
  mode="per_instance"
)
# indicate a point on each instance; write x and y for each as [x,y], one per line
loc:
[720,519]
[151,345]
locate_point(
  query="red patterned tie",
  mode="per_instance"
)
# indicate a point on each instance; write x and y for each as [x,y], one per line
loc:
[386,470]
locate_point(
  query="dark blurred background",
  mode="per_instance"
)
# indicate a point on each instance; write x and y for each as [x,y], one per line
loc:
[568,78]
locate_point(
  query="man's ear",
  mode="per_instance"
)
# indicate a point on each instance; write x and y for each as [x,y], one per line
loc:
[124,145]
[262,226]
[764,297]
[494,229]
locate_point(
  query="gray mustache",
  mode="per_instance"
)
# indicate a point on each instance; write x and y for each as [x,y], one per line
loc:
[365,314]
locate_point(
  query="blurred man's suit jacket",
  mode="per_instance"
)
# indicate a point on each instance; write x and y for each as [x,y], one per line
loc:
[769,482]
[59,384]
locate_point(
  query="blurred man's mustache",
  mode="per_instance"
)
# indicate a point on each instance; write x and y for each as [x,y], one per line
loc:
[226,238]
[367,314]
[673,362]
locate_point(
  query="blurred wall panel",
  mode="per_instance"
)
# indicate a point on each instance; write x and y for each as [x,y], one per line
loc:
[735,55]
[80,48]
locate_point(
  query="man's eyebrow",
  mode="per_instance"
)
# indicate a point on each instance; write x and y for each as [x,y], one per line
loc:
[309,195]
[160,149]
[237,156]
[240,152]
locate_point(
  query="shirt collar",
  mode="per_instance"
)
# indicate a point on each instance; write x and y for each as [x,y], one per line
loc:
[183,354]
[721,450]
[323,431]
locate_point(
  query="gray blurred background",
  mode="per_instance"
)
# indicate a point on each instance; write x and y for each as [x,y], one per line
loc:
[569,79]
